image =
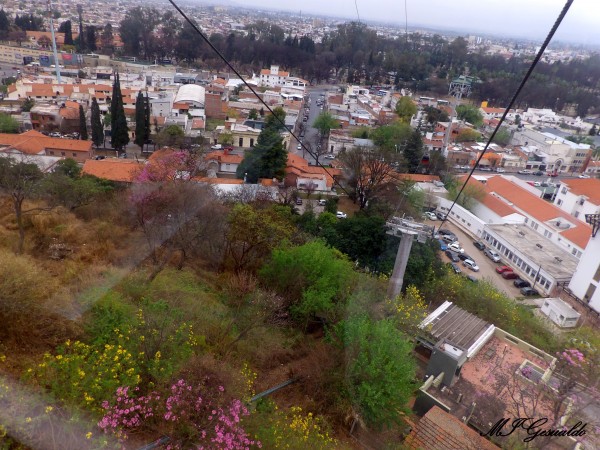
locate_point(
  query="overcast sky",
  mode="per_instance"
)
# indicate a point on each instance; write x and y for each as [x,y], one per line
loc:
[527,18]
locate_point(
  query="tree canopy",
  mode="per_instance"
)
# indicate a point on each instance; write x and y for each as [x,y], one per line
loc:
[405,108]
[470,114]
[8,124]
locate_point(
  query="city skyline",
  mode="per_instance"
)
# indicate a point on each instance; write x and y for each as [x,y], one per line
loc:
[532,19]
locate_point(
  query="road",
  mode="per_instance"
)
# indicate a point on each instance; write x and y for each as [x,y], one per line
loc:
[487,268]
[311,136]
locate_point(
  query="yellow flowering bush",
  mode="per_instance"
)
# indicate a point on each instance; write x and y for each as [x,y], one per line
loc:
[409,309]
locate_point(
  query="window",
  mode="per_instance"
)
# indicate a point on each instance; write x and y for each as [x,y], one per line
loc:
[559,202]
[590,292]
[251,142]
[576,214]
[563,190]
[74,155]
[62,154]
[241,142]
[597,274]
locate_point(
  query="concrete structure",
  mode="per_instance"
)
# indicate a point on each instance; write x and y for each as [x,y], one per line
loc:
[585,284]
[560,312]
[579,197]
[273,77]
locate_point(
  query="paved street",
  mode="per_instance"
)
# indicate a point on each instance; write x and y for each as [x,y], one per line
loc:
[311,135]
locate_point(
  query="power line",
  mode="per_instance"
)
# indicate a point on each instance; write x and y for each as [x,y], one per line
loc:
[558,21]
[234,70]
[357,13]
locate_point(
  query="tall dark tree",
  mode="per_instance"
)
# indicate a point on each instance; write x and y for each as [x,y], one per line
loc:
[90,38]
[83,134]
[119,135]
[413,151]
[106,38]
[97,127]
[142,131]
[4,24]
[29,23]
[67,28]
[81,43]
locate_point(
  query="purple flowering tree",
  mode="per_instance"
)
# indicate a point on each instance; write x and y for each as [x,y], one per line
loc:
[191,415]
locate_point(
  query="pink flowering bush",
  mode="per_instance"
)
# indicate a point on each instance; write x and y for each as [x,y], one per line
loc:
[190,415]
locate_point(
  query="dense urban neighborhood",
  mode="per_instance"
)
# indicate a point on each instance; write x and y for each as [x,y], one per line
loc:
[246,228]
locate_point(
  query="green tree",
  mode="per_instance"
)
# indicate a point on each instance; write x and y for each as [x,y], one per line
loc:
[142,133]
[90,38]
[502,136]
[21,181]
[66,28]
[106,38]
[435,115]
[119,137]
[470,114]
[81,42]
[96,123]
[83,133]
[268,158]
[391,137]
[380,370]
[468,135]
[324,123]
[405,108]
[473,192]
[4,24]
[593,131]
[361,237]
[8,124]
[413,151]
[27,104]
[517,119]
[171,136]
[313,278]
[253,114]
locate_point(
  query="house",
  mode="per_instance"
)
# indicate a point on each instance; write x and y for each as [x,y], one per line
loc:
[560,312]
[33,143]
[579,197]
[273,77]
[585,284]
[438,430]
[223,164]
[302,176]
[113,169]
[469,364]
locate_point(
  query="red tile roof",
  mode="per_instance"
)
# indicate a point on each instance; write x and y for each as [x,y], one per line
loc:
[121,170]
[588,187]
[438,430]
[224,158]
[34,143]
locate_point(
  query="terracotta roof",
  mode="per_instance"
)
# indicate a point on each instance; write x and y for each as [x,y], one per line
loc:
[281,73]
[299,166]
[588,187]
[489,110]
[219,180]
[223,158]
[438,430]
[34,143]
[417,178]
[69,113]
[181,105]
[122,170]
[220,81]
[198,124]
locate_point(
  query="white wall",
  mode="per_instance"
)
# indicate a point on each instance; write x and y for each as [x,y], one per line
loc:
[465,219]
[569,203]
[583,277]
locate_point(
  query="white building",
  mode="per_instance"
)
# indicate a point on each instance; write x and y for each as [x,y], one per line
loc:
[560,312]
[579,197]
[273,77]
[585,283]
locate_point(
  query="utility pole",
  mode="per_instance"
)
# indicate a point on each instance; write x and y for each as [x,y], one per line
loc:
[56,65]
[407,230]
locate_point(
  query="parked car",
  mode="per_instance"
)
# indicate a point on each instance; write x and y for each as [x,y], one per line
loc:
[472,278]
[502,269]
[298,201]
[440,215]
[430,215]
[329,157]
[464,257]
[539,173]
[469,263]
[528,291]
[299,147]
[341,215]
[584,176]
[485,169]
[455,246]
[452,256]
[443,246]
[509,275]
[444,231]
[216,147]
[492,254]
[455,268]
[479,245]
[521,283]
[525,172]
[322,202]
[449,238]
[500,170]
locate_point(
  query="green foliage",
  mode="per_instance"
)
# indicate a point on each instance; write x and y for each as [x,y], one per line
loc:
[502,137]
[361,133]
[470,114]
[325,122]
[119,137]
[361,237]
[380,369]
[74,192]
[8,124]
[471,194]
[405,108]
[96,123]
[390,137]
[331,205]
[468,135]
[142,131]
[83,133]
[67,167]
[253,114]
[171,136]
[435,115]
[313,277]
[413,151]
[27,104]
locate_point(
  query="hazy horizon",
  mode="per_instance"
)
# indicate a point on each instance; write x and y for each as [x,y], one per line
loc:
[531,19]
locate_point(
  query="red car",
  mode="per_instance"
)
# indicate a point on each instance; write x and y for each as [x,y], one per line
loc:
[510,275]
[502,269]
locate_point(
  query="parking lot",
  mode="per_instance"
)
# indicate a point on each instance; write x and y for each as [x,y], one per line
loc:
[487,268]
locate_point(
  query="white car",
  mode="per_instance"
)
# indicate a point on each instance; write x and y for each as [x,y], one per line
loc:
[471,265]
[341,215]
[500,170]
[492,254]
[583,175]
[299,147]
[430,215]
[455,247]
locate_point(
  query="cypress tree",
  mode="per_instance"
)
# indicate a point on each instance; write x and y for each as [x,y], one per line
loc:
[119,136]
[83,134]
[147,116]
[141,131]
[97,127]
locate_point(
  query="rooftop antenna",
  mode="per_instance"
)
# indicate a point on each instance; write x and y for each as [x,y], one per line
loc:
[56,65]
